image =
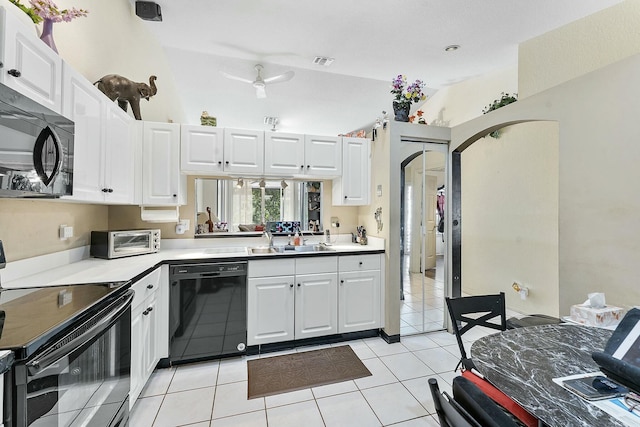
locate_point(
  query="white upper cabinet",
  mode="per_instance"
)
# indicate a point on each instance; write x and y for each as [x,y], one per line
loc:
[243,151]
[28,65]
[103,147]
[353,188]
[323,156]
[283,154]
[201,149]
[162,183]
[305,156]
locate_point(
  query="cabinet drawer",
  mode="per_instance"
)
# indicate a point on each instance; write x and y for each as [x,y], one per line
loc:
[146,286]
[359,262]
[272,267]
[311,265]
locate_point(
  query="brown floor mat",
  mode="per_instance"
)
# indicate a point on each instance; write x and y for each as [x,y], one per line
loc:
[296,371]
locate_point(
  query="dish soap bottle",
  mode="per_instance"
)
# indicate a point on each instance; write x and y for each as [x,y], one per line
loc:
[296,239]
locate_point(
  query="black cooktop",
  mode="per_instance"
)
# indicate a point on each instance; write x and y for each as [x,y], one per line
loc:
[29,317]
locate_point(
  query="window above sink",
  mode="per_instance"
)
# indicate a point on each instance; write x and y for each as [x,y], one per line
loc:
[243,206]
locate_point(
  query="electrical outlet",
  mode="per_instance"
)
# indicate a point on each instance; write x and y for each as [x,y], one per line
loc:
[65,232]
[185,224]
[335,221]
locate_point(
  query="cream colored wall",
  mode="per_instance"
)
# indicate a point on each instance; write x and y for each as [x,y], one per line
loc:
[29,228]
[111,39]
[580,47]
[380,175]
[510,216]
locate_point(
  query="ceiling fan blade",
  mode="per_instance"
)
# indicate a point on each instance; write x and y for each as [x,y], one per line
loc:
[260,92]
[232,77]
[281,78]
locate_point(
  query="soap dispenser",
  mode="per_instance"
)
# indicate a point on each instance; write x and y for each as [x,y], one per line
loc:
[296,239]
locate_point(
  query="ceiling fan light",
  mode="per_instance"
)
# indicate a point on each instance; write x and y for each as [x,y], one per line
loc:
[452,48]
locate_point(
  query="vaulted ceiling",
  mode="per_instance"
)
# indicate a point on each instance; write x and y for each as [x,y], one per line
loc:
[370,41]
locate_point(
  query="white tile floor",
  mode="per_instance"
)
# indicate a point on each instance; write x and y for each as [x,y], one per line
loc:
[214,394]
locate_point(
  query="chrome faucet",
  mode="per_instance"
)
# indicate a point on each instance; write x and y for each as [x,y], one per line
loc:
[269,236]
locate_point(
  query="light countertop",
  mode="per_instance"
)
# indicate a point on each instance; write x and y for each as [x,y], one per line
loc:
[76,267]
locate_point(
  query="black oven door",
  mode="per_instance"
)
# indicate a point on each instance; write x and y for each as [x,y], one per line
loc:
[84,379]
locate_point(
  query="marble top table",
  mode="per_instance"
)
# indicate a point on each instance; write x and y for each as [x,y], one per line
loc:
[523,362]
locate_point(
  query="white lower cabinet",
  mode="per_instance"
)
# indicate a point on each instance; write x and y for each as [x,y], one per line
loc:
[146,348]
[359,301]
[291,299]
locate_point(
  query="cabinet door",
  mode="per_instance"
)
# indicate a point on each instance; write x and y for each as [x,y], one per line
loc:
[316,304]
[161,164]
[354,187]
[31,67]
[244,151]
[84,104]
[323,156]
[150,359]
[270,305]
[137,349]
[358,301]
[201,149]
[283,154]
[119,158]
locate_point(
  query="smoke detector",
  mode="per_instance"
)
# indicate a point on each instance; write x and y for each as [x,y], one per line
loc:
[323,61]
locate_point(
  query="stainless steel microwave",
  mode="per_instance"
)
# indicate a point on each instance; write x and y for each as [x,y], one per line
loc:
[123,243]
[36,148]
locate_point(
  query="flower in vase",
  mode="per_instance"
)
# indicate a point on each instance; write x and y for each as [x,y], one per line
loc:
[47,9]
[412,93]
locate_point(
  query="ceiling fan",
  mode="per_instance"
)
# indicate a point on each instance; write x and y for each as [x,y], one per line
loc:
[260,83]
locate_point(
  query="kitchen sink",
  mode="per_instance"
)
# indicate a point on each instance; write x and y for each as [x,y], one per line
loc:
[313,248]
[263,250]
[289,249]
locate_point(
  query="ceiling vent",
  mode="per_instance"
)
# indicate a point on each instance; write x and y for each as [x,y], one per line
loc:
[323,61]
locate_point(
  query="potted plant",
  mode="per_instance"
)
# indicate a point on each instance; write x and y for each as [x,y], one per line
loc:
[505,99]
[405,97]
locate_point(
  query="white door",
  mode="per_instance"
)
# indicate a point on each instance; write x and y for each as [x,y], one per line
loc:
[201,149]
[161,164]
[283,154]
[244,151]
[119,156]
[316,305]
[31,67]
[356,187]
[270,309]
[323,156]
[84,105]
[358,301]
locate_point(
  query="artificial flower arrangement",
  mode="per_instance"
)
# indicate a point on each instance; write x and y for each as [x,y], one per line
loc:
[47,9]
[421,119]
[413,92]
[505,99]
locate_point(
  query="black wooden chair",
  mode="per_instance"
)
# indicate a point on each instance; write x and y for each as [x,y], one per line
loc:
[490,311]
[450,413]
[480,406]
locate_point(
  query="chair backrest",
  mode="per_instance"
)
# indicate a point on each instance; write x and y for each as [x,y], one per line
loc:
[480,406]
[450,413]
[488,306]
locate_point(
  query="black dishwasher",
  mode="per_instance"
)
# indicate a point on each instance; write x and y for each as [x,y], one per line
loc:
[207,311]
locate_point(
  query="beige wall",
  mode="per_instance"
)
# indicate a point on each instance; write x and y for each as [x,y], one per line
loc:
[111,39]
[29,228]
[580,47]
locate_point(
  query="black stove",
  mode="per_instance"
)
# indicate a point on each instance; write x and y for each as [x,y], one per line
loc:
[29,317]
